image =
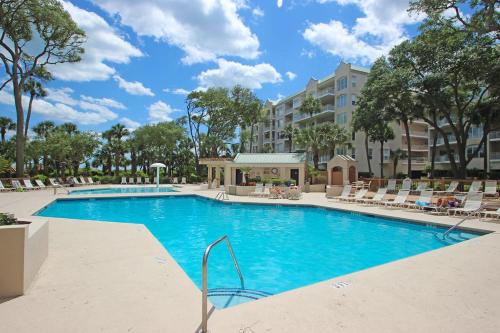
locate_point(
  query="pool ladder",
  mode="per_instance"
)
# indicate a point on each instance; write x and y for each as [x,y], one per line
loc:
[470,214]
[222,195]
[204,273]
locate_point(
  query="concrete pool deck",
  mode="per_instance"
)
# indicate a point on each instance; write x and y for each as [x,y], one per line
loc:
[115,277]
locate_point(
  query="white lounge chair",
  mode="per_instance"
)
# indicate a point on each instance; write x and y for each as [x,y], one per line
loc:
[472,206]
[75,181]
[259,190]
[492,213]
[5,189]
[406,184]
[29,185]
[131,181]
[399,200]
[139,180]
[357,196]
[422,186]
[183,180]
[391,185]
[40,184]
[490,188]
[424,200]
[147,181]
[124,181]
[16,184]
[266,192]
[377,198]
[82,181]
[90,181]
[346,193]
[475,186]
[175,180]
[452,187]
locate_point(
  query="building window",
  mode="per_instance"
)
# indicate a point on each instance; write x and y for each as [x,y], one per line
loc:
[353,136]
[353,99]
[280,110]
[354,80]
[342,83]
[340,151]
[472,148]
[353,153]
[280,148]
[341,118]
[370,153]
[475,132]
[387,154]
[341,101]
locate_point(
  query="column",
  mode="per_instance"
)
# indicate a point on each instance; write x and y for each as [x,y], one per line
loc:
[217,175]
[302,177]
[209,176]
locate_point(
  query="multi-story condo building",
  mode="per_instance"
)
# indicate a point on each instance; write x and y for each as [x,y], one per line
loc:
[338,93]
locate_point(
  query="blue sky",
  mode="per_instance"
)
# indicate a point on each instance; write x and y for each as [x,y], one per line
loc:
[143,56]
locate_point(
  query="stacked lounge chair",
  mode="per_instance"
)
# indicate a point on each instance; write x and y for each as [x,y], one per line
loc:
[139,181]
[399,200]
[377,198]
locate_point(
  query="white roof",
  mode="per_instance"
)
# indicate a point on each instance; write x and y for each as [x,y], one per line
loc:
[270,158]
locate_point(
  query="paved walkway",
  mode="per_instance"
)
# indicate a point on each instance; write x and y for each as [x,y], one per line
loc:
[114,277]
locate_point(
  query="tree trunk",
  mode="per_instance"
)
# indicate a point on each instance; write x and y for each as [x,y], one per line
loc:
[408,141]
[251,139]
[381,159]
[28,115]
[485,160]
[316,158]
[19,128]
[133,162]
[368,155]
[3,131]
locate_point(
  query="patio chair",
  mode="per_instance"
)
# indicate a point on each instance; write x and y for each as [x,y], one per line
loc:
[131,181]
[75,181]
[424,200]
[346,193]
[147,181]
[53,182]
[475,186]
[391,185]
[5,189]
[399,200]
[452,187]
[357,196]
[16,184]
[490,188]
[82,181]
[472,206]
[183,180]
[139,181]
[90,181]
[492,213]
[124,181]
[406,184]
[294,193]
[422,186]
[377,198]
[175,180]
[29,185]
[40,184]
[259,190]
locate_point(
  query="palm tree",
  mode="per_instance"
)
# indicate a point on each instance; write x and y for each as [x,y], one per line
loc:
[312,138]
[69,128]
[118,131]
[334,136]
[310,106]
[288,131]
[6,124]
[43,130]
[396,156]
[34,89]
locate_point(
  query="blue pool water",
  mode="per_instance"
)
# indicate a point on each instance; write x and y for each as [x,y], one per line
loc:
[114,190]
[279,248]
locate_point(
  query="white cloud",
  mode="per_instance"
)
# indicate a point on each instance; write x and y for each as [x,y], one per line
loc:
[103,46]
[108,102]
[230,73]
[160,111]
[291,75]
[133,88]
[278,98]
[177,91]
[129,123]
[204,30]
[62,95]
[373,35]
[308,53]
[257,12]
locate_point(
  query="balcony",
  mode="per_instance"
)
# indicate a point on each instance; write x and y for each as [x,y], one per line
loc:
[440,141]
[324,158]
[444,121]
[416,160]
[297,102]
[495,136]
[415,147]
[417,134]
[495,156]
[445,159]
[326,92]
[325,109]
[288,111]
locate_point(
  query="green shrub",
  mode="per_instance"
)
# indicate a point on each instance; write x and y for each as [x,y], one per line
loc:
[194,178]
[7,219]
[43,178]
[109,179]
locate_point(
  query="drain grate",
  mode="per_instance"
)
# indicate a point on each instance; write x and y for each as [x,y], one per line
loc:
[341,284]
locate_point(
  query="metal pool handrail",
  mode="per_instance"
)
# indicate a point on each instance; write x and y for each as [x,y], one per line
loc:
[472,213]
[204,272]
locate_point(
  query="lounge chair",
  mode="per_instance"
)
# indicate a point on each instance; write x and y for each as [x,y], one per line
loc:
[124,181]
[40,184]
[139,181]
[492,213]
[29,185]
[399,200]
[17,185]
[391,185]
[490,188]
[175,180]
[377,198]
[183,180]
[294,193]
[266,192]
[5,189]
[83,181]
[76,182]
[131,181]
[422,186]
[357,196]
[475,186]
[346,193]
[90,181]
[452,187]
[473,204]
[259,190]
[406,184]
[147,181]
[424,200]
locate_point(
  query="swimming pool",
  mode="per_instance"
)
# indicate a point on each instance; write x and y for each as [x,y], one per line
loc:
[278,247]
[115,190]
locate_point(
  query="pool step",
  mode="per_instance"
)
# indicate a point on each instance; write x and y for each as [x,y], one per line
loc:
[237,292]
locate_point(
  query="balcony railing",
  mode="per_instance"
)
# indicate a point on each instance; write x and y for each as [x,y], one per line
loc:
[417,133]
[325,92]
[416,160]
[495,135]
[302,116]
[297,102]
[415,147]
[495,156]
